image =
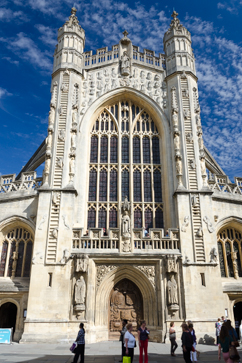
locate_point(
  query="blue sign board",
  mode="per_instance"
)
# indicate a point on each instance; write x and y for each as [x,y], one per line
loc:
[5,336]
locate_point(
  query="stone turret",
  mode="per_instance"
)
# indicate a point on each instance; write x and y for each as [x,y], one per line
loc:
[177,46]
[71,42]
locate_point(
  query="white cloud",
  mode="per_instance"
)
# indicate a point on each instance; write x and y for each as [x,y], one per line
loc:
[232,6]
[25,48]
[48,35]
[6,14]
[4,92]
[10,60]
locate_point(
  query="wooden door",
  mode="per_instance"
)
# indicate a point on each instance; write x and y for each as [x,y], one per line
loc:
[125,303]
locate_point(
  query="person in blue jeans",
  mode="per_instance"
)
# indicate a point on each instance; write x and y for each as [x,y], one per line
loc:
[80,349]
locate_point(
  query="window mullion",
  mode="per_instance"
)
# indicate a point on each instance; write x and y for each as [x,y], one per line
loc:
[7,258]
[25,248]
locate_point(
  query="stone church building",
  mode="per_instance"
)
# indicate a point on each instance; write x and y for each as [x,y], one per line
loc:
[133,218]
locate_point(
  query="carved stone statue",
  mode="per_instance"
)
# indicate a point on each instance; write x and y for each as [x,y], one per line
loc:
[178,166]
[48,141]
[81,263]
[72,164]
[59,162]
[172,291]
[80,291]
[73,141]
[213,255]
[200,143]
[209,224]
[74,117]
[51,117]
[235,266]
[177,141]
[61,135]
[125,65]
[126,224]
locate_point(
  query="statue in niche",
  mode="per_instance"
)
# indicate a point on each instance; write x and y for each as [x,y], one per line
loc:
[51,117]
[200,143]
[203,166]
[74,117]
[59,162]
[149,76]
[81,263]
[172,291]
[72,165]
[213,255]
[73,141]
[47,166]
[80,291]
[142,75]
[125,64]
[175,118]
[113,73]
[126,224]
[149,86]
[48,141]
[178,167]
[177,141]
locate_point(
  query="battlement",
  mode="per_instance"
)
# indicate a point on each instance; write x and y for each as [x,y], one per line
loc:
[105,56]
[27,182]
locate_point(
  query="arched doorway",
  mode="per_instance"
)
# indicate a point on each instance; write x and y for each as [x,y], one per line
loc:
[238,312]
[126,302]
[8,313]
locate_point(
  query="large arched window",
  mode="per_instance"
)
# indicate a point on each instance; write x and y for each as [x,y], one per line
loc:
[125,161]
[16,254]
[230,252]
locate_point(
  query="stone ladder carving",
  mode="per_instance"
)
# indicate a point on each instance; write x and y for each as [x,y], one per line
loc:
[53,227]
[192,173]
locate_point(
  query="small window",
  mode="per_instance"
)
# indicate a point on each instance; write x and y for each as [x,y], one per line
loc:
[50,279]
[203,279]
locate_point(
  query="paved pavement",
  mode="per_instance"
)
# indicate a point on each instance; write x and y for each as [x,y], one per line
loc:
[104,352]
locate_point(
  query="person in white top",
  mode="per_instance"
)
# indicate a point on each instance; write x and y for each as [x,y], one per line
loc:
[129,342]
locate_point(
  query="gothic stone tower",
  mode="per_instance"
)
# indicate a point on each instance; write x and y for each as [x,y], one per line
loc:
[124,162]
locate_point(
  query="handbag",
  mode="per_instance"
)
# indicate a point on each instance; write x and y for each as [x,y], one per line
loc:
[233,353]
[126,359]
[73,347]
[236,343]
[135,345]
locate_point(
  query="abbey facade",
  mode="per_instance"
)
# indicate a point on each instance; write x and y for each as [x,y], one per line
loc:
[133,218]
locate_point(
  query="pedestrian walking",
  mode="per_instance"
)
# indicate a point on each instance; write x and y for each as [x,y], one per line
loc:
[172,336]
[225,340]
[129,342]
[232,331]
[193,354]
[121,339]
[143,336]
[187,342]
[218,325]
[80,349]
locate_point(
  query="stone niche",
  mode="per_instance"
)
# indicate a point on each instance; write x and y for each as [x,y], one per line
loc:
[79,286]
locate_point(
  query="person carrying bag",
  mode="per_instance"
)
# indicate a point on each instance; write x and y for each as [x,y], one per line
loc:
[129,344]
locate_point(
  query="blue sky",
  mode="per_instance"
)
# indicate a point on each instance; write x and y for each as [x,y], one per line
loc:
[28,31]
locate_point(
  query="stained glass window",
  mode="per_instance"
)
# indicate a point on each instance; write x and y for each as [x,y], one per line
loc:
[159,218]
[125,150]
[91,221]
[113,185]
[137,185]
[94,149]
[146,150]
[221,259]
[156,150]
[20,259]
[136,150]
[113,149]
[103,185]
[92,185]
[157,186]
[112,218]
[147,186]
[10,263]
[148,218]
[229,259]
[125,184]
[137,218]
[104,150]
[102,218]
[28,258]
[3,257]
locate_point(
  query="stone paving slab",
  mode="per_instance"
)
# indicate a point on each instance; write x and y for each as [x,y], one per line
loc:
[104,352]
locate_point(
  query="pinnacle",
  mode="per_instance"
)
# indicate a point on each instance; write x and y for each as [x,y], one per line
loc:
[73,11]
[174,15]
[125,33]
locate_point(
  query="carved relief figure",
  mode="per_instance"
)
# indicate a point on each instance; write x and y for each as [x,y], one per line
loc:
[81,263]
[178,166]
[80,291]
[48,141]
[61,135]
[172,291]
[177,141]
[51,117]
[125,65]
